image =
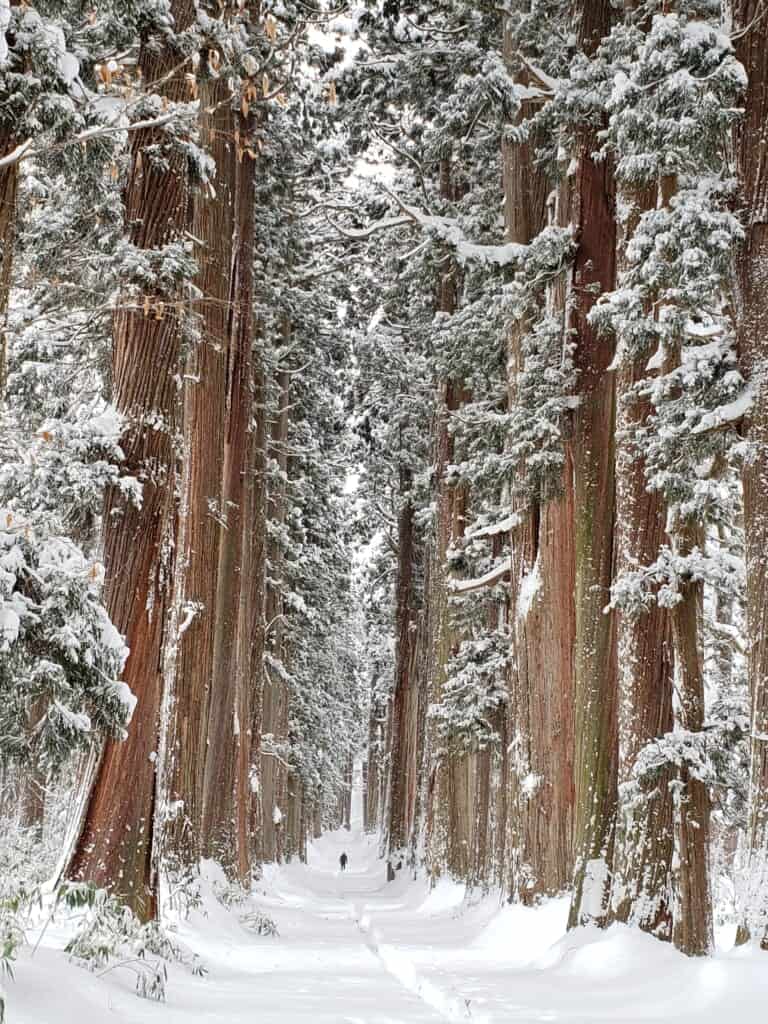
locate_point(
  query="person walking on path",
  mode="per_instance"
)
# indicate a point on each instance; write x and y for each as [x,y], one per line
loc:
[343,861]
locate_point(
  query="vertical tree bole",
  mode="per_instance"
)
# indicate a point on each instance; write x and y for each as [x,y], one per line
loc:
[751,31]
[590,190]
[115,846]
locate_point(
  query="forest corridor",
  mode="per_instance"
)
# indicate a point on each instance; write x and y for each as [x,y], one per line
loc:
[352,948]
[383,472]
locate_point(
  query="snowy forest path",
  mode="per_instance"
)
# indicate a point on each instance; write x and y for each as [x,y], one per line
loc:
[355,949]
[344,905]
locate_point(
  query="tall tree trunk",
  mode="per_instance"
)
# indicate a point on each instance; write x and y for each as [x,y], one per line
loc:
[376,720]
[641,892]
[692,929]
[274,686]
[9,187]
[402,763]
[295,843]
[115,846]
[449,785]
[451,782]
[222,838]
[347,793]
[9,184]
[32,801]
[591,199]
[253,613]
[540,800]
[205,425]
[480,870]
[751,30]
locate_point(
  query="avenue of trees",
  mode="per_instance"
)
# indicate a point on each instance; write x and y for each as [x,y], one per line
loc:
[387,382]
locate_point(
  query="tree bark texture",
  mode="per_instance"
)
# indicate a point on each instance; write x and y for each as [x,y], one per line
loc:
[451,783]
[116,843]
[590,193]
[224,832]
[540,800]
[205,426]
[275,692]
[692,928]
[9,183]
[374,774]
[752,329]
[403,760]
[253,613]
[641,885]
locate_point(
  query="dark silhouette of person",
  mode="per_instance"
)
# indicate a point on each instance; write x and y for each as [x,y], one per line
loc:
[343,861]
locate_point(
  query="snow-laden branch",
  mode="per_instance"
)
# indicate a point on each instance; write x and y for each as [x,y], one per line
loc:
[498,572]
[503,526]
[726,415]
[26,151]
[548,84]
[360,234]
[448,230]
[16,154]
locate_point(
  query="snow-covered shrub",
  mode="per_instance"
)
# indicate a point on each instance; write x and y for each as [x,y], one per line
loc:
[259,922]
[64,468]
[60,656]
[110,936]
[469,713]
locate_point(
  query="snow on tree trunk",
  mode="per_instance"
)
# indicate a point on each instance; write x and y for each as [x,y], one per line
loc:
[752,328]
[224,788]
[115,847]
[643,856]
[589,206]
[538,805]
[254,608]
[9,179]
[692,930]
[274,690]
[201,500]
[373,802]
[403,759]
[451,786]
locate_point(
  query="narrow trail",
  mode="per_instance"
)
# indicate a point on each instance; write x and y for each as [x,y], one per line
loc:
[365,893]
[354,949]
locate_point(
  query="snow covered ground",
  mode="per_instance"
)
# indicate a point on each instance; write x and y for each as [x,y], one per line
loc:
[354,950]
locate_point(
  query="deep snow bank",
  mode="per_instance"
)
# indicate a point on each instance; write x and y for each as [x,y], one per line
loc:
[354,950]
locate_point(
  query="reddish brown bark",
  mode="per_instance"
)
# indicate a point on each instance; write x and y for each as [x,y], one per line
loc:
[115,846]
[275,696]
[591,200]
[9,187]
[450,786]
[375,776]
[540,712]
[222,824]
[751,30]
[253,606]
[644,846]
[692,929]
[9,177]
[403,749]
[643,856]
[205,424]
[480,871]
